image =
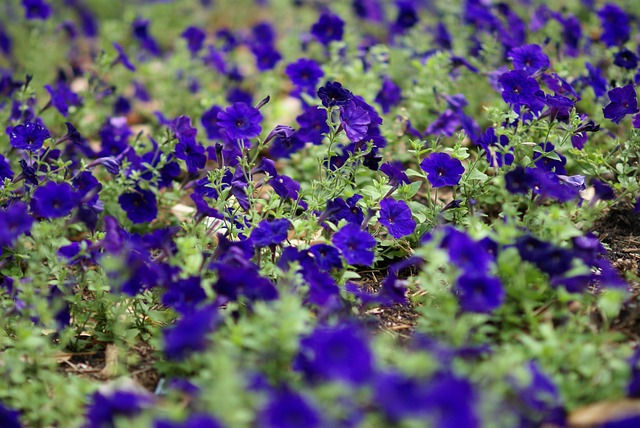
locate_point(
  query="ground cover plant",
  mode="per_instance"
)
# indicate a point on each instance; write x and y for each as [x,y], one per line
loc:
[319,214]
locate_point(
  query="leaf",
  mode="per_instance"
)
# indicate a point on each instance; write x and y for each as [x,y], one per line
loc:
[604,411]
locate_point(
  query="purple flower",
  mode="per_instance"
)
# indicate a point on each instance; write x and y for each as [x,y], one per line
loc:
[529,58]
[270,233]
[407,16]
[209,122]
[5,169]
[448,398]
[623,102]
[615,25]
[329,28]
[478,292]
[400,396]
[559,107]
[333,94]
[626,59]
[545,162]
[28,136]
[36,9]
[288,409]
[442,169]
[193,421]
[495,148]
[603,192]
[540,399]
[519,181]
[122,58]
[140,30]
[140,205]
[190,333]
[551,185]
[338,209]
[304,73]
[14,221]
[520,89]
[313,124]
[596,80]
[62,97]
[243,280]
[335,353]
[195,39]
[9,418]
[355,121]
[447,123]
[396,176]
[54,200]
[240,121]
[326,256]
[192,153]
[266,56]
[356,245]
[464,252]
[389,95]
[397,217]
[104,408]
[184,295]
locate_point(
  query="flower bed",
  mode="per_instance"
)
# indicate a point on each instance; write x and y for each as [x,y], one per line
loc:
[319,214]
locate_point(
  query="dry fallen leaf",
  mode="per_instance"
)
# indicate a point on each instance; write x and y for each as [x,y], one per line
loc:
[596,414]
[110,361]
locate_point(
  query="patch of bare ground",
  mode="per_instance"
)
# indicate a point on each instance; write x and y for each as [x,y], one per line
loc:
[619,231]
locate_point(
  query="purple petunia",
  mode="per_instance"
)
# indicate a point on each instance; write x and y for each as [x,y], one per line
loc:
[14,221]
[336,353]
[519,89]
[5,169]
[140,30]
[397,217]
[270,232]
[190,333]
[615,25]
[240,121]
[623,102]
[519,181]
[140,205]
[329,28]
[9,418]
[29,136]
[529,58]
[54,200]
[626,59]
[192,153]
[304,73]
[338,209]
[62,97]
[442,169]
[479,292]
[313,125]
[195,39]
[184,295]
[198,420]
[389,95]
[355,121]
[356,245]
[497,149]
[326,256]
[334,94]
[105,408]
[395,175]
[36,9]
[122,58]
[287,409]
